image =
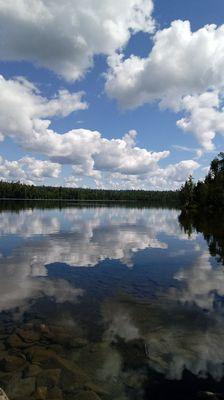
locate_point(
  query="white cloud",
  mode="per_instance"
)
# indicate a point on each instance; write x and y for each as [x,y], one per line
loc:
[121,325]
[39,169]
[170,177]
[205,117]
[183,72]
[11,170]
[29,223]
[73,181]
[28,170]
[24,110]
[63,104]
[121,155]
[178,337]
[65,36]
[23,281]
[95,235]
[23,118]
[202,283]
[174,175]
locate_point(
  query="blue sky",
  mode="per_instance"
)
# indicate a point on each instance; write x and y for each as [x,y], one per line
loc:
[127,75]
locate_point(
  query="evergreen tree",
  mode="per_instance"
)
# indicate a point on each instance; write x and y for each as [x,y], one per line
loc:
[210,193]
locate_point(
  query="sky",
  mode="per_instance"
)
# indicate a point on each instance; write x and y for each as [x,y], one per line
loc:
[110,94]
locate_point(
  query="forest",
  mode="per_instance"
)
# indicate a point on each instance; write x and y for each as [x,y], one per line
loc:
[17,190]
[207,194]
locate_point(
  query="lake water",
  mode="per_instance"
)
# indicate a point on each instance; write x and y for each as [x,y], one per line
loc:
[109,303]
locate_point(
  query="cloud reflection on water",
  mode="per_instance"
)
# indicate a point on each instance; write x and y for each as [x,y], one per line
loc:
[174,326]
[78,237]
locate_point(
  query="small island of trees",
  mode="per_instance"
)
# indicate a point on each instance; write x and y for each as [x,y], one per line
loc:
[207,194]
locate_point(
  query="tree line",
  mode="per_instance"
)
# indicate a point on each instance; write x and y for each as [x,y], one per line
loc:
[207,194]
[18,190]
[203,194]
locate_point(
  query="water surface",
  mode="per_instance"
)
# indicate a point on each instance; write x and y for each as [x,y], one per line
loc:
[110,303]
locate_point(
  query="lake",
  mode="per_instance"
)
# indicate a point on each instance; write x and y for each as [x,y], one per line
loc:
[109,302]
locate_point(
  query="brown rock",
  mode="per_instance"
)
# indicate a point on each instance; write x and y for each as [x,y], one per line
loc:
[7,379]
[48,378]
[31,370]
[95,388]
[28,335]
[21,388]
[14,341]
[72,377]
[41,393]
[11,363]
[57,348]
[87,395]
[38,354]
[44,328]
[54,394]
[62,338]
[66,365]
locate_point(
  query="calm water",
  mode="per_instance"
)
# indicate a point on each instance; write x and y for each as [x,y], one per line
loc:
[109,303]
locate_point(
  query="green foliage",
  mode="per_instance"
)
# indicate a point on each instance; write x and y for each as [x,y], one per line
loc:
[207,194]
[17,190]
[187,192]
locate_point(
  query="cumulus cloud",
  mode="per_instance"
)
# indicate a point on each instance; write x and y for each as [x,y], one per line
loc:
[120,325]
[202,283]
[24,278]
[20,284]
[28,170]
[205,117]
[122,156]
[24,114]
[167,178]
[183,72]
[93,235]
[173,175]
[39,223]
[24,111]
[178,338]
[39,169]
[25,119]
[11,170]
[66,36]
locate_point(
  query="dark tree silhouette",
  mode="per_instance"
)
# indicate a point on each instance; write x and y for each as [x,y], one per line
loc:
[17,190]
[209,193]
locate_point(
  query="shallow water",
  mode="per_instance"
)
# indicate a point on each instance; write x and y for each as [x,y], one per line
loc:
[108,302]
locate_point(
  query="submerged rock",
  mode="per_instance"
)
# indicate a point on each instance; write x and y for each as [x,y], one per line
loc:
[10,363]
[54,394]
[41,393]
[28,335]
[31,371]
[14,341]
[38,354]
[21,388]
[87,395]
[48,378]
